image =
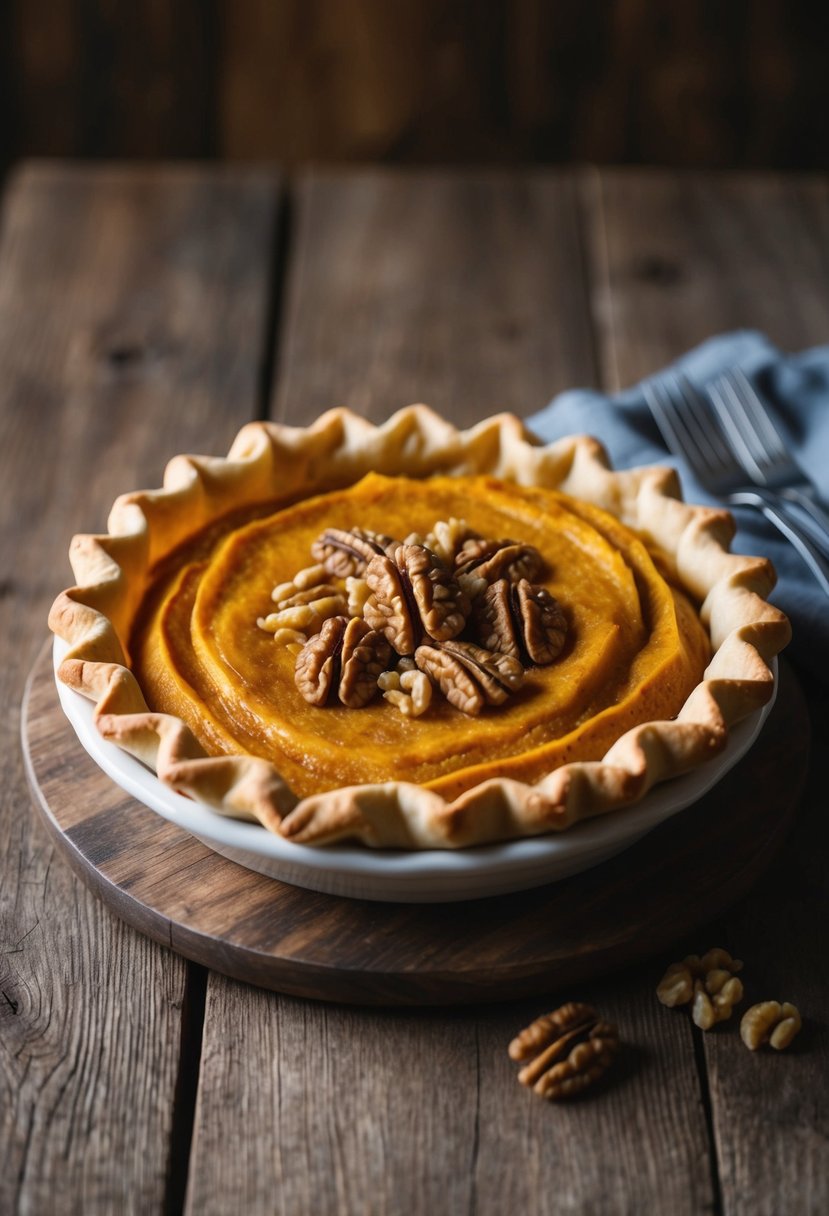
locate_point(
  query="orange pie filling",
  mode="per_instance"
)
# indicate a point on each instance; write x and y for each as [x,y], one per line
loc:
[635,647]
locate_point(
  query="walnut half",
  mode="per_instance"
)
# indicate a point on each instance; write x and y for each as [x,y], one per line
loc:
[346,553]
[493,559]
[469,677]
[770,1022]
[346,658]
[521,620]
[568,1049]
[413,595]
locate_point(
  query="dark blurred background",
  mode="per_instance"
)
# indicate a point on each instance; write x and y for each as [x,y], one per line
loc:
[704,83]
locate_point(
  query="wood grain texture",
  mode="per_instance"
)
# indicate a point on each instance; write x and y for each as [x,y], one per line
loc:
[162,881]
[354,1110]
[771,1109]
[635,1144]
[423,1113]
[128,310]
[463,291]
[684,257]
[678,257]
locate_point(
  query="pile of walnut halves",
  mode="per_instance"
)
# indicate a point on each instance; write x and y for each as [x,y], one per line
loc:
[458,608]
[710,985]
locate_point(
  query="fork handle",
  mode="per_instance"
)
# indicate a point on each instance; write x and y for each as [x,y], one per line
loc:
[789,527]
[809,503]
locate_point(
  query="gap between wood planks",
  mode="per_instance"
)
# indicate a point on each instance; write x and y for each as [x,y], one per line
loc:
[187,1086]
[708,1114]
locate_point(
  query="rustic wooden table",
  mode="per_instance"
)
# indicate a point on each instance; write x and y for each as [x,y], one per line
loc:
[148,311]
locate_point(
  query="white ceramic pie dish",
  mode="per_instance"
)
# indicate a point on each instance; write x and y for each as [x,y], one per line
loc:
[425,876]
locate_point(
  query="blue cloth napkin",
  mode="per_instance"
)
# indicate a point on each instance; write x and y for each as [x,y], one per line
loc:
[798,388]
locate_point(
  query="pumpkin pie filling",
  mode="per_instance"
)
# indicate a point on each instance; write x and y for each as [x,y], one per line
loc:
[635,646]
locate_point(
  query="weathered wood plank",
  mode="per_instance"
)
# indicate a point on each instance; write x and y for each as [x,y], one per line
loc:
[132,306]
[430,287]
[677,257]
[636,1144]
[356,1110]
[771,1110]
[401,288]
[685,257]
[312,1109]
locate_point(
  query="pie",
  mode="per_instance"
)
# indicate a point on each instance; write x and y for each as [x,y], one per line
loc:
[635,652]
[575,634]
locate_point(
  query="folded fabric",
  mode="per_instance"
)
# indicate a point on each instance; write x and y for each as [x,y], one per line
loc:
[798,388]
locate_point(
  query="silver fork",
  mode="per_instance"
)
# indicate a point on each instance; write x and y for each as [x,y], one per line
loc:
[691,430]
[759,447]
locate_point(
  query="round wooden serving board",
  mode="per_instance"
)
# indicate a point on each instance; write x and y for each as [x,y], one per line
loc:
[170,886]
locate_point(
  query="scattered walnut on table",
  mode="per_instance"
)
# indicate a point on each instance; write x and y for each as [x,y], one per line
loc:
[677,986]
[569,1049]
[770,1022]
[715,998]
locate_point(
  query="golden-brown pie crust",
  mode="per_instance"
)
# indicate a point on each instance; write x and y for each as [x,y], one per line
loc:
[268,461]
